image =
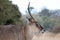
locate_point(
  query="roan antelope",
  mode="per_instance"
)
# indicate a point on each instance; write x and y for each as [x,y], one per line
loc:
[32,27]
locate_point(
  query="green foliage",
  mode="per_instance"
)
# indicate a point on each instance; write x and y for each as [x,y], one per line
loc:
[48,18]
[9,12]
[45,12]
[47,22]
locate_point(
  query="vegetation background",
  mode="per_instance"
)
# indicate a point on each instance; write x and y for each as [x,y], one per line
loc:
[10,14]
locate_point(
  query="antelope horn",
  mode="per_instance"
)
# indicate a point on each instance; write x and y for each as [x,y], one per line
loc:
[38,25]
[30,12]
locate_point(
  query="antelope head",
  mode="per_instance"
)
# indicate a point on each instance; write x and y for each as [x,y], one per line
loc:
[32,19]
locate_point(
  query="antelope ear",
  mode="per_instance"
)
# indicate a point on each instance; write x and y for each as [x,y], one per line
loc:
[27,17]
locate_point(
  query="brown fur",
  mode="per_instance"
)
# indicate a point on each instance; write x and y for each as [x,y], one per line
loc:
[14,32]
[11,32]
[54,34]
[46,36]
[30,31]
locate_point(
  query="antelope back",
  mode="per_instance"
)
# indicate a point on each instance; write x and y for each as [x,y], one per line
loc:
[10,32]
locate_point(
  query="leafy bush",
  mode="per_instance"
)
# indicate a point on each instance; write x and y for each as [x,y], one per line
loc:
[9,13]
